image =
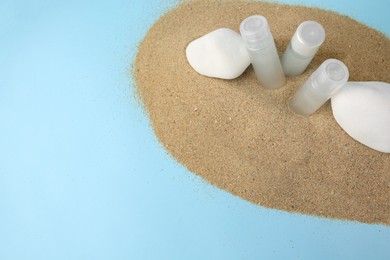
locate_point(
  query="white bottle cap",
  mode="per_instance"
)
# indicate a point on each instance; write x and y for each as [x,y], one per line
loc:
[330,76]
[255,32]
[308,38]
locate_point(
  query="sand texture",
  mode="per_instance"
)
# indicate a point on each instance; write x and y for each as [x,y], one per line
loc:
[243,138]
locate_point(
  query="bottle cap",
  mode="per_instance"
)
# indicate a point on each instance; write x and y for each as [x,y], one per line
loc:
[255,32]
[308,38]
[330,76]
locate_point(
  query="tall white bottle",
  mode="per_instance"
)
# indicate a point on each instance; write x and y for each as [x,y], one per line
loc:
[262,51]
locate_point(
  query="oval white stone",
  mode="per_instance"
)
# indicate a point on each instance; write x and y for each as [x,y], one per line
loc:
[218,54]
[362,109]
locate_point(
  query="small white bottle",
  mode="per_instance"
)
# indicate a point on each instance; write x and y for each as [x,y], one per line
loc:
[319,87]
[262,51]
[304,45]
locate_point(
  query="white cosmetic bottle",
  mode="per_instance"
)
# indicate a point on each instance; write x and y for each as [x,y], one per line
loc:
[262,51]
[304,45]
[319,87]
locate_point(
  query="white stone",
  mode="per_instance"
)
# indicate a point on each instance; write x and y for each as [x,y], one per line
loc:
[218,54]
[362,109]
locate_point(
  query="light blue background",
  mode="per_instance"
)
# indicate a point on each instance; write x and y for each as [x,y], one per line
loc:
[82,175]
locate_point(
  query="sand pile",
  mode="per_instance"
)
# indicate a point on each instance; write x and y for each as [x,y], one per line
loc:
[243,138]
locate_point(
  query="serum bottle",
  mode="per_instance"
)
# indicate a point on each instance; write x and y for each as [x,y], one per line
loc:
[262,51]
[319,87]
[303,46]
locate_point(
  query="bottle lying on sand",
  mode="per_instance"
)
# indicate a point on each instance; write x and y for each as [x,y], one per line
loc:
[319,87]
